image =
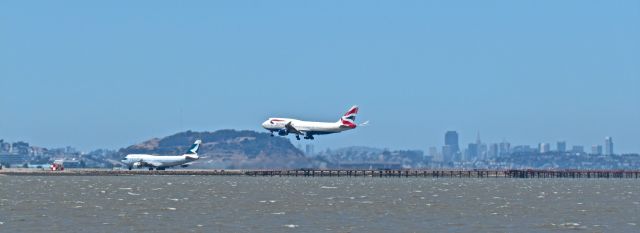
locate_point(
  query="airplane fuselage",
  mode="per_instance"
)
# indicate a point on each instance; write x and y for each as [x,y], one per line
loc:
[308,127]
[161,162]
[286,126]
[158,161]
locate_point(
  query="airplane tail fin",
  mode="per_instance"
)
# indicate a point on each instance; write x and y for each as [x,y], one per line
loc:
[349,118]
[193,151]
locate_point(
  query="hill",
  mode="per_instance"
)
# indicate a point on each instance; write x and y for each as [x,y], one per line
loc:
[230,149]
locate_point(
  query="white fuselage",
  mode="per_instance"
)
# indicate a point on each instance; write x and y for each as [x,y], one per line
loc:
[147,160]
[308,127]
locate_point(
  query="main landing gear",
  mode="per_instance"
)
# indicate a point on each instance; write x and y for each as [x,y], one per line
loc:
[298,137]
[310,137]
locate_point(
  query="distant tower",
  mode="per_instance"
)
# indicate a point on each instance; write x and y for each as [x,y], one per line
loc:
[447,154]
[608,146]
[493,150]
[561,146]
[435,156]
[544,148]
[472,151]
[482,148]
[596,149]
[505,148]
[451,148]
[451,140]
[578,149]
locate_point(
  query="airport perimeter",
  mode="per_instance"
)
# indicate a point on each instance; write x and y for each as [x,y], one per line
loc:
[416,173]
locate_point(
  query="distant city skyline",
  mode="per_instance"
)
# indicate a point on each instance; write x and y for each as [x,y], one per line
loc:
[481,151]
[449,149]
[477,155]
[111,74]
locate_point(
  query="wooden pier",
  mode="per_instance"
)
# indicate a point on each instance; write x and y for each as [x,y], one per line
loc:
[423,173]
[527,173]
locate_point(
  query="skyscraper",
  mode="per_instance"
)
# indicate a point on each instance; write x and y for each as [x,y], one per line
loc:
[472,151]
[505,148]
[447,154]
[608,146]
[578,149]
[482,148]
[596,149]
[544,148]
[493,150]
[433,152]
[561,146]
[482,151]
[451,149]
[451,140]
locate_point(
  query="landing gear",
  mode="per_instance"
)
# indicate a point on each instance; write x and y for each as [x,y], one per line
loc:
[298,137]
[283,132]
[150,169]
[310,137]
[130,167]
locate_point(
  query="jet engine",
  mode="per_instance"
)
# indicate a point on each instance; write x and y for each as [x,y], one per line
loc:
[137,164]
[283,132]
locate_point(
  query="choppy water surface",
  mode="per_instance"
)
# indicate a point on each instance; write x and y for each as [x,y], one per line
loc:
[290,204]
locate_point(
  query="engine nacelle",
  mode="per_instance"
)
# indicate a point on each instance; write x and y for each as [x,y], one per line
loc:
[283,132]
[137,164]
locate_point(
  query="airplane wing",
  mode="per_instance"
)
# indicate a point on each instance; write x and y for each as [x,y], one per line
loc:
[188,164]
[292,129]
[150,163]
[155,164]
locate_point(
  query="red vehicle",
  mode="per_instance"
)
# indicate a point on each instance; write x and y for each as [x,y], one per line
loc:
[57,166]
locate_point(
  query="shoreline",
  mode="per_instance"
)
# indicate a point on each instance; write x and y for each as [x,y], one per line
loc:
[422,173]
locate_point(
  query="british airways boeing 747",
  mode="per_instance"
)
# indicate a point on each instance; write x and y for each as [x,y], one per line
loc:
[285,126]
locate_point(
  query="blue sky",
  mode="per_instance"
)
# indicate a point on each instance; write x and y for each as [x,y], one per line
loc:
[107,74]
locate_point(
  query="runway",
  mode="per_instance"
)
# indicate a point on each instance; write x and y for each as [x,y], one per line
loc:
[110,172]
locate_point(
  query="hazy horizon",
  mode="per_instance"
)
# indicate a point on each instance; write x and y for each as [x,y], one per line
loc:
[111,74]
[320,147]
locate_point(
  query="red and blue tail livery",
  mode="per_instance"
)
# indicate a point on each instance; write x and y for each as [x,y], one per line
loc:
[349,118]
[286,126]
